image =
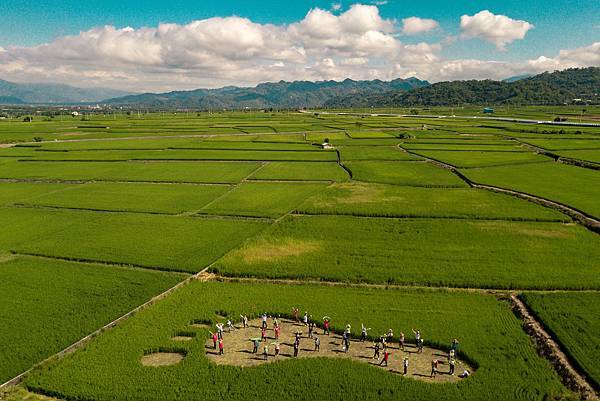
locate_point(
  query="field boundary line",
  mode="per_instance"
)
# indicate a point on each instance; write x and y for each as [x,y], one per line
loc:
[558,158]
[95,180]
[549,348]
[207,135]
[226,193]
[416,217]
[585,219]
[85,340]
[101,262]
[191,215]
[216,276]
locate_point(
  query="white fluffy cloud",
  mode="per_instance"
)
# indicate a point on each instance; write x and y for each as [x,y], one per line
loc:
[358,43]
[580,57]
[416,25]
[497,29]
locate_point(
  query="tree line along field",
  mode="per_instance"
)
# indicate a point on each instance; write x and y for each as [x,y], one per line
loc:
[120,208]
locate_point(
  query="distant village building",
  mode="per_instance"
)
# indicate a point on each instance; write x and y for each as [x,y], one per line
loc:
[326,145]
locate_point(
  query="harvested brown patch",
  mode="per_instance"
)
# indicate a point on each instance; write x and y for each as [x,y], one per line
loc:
[518,228]
[6,257]
[22,394]
[200,325]
[534,232]
[181,338]
[238,352]
[162,359]
[360,193]
[264,251]
[206,276]
[76,133]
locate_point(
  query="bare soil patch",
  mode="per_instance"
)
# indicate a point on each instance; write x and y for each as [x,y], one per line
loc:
[532,232]
[76,133]
[238,351]
[264,251]
[162,359]
[181,338]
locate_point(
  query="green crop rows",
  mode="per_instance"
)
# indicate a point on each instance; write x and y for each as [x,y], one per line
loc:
[574,319]
[481,254]
[508,366]
[378,200]
[49,304]
[102,214]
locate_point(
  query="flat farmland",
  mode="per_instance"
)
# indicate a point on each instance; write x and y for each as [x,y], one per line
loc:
[100,215]
[571,185]
[13,192]
[199,172]
[188,154]
[418,174]
[379,200]
[490,336]
[262,199]
[475,158]
[587,155]
[565,144]
[375,153]
[46,305]
[158,242]
[299,171]
[429,252]
[574,320]
[128,197]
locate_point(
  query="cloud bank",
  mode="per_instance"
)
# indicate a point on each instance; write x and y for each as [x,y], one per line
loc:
[416,25]
[497,29]
[358,43]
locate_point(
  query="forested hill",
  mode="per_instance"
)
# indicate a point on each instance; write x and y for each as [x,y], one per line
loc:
[545,89]
[272,94]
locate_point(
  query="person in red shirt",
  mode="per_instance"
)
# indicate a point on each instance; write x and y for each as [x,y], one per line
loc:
[386,356]
[325,326]
[277,331]
[263,334]
[221,347]
[214,338]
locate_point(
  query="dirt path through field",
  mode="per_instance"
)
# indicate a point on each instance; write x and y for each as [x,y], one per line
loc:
[238,351]
[549,349]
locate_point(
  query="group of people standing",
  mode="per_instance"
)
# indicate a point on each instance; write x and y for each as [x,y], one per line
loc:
[381,345]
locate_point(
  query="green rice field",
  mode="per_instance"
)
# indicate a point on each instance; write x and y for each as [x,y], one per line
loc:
[244,212]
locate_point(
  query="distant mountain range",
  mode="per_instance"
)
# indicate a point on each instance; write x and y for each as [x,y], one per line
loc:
[15,93]
[544,89]
[266,95]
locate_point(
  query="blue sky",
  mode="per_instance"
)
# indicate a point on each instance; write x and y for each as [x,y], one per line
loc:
[558,24]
